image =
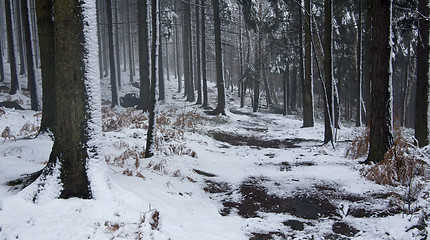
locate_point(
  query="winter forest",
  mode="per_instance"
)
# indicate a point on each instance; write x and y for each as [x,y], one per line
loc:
[214,119]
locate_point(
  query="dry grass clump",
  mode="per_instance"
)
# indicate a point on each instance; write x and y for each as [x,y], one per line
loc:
[359,146]
[399,167]
[115,121]
[29,130]
[190,120]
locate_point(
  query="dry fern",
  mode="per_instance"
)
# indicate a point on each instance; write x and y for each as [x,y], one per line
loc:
[359,146]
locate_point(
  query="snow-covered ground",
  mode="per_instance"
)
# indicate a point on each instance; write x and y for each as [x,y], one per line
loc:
[241,176]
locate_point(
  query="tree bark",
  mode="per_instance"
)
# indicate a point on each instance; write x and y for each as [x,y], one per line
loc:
[45,12]
[381,137]
[423,76]
[71,131]
[116,46]
[186,28]
[198,77]
[142,10]
[151,127]
[130,48]
[31,84]
[307,92]
[1,62]
[14,86]
[220,109]
[160,69]
[21,47]
[367,59]
[358,69]
[204,77]
[113,82]
[328,72]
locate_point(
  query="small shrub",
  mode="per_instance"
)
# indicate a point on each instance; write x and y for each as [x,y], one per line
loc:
[399,166]
[359,146]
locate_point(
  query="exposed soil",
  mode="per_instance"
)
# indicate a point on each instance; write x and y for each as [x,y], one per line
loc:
[255,141]
[344,229]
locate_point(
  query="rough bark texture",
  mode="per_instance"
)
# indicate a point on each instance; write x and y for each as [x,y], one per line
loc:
[220,109]
[72,106]
[308,104]
[358,54]
[31,84]
[423,77]
[45,23]
[381,137]
[328,72]
[14,86]
[151,127]
[142,10]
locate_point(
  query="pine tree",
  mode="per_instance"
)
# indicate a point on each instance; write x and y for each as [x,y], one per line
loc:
[381,137]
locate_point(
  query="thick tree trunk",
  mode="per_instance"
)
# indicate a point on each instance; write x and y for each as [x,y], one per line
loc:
[151,127]
[31,84]
[307,92]
[423,76]
[204,77]
[14,86]
[113,82]
[45,21]
[142,12]
[71,132]
[381,137]
[220,109]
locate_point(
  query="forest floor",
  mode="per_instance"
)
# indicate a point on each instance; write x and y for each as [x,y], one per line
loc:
[241,176]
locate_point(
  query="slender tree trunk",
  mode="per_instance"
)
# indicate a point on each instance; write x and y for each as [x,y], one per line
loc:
[293,93]
[359,84]
[142,10]
[381,137]
[45,21]
[117,54]
[178,62]
[190,95]
[301,60]
[113,82]
[14,86]
[367,59]
[328,72]
[21,47]
[220,109]
[285,90]
[307,94]
[33,28]
[31,84]
[160,69]
[151,128]
[99,40]
[422,111]
[198,77]
[167,59]
[186,45]
[1,62]
[204,78]
[130,48]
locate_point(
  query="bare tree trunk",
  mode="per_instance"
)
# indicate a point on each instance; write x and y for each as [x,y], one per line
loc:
[367,59]
[1,62]
[14,86]
[31,84]
[358,54]
[204,79]
[151,127]
[220,109]
[186,44]
[45,12]
[381,137]
[307,92]
[130,48]
[142,12]
[198,77]
[117,54]
[21,47]
[160,68]
[423,77]
[113,82]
